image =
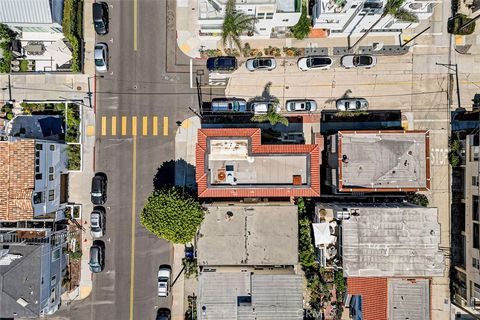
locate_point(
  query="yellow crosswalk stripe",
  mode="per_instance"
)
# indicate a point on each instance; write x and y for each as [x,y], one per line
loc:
[155,125]
[134,126]
[165,126]
[104,126]
[114,126]
[124,126]
[145,126]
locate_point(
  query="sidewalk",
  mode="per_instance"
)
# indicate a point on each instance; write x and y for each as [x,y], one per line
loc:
[185,143]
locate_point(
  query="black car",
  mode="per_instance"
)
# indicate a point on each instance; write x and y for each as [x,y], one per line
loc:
[163,314]
[99,189]
[97,256]
[100,17]
[222,64]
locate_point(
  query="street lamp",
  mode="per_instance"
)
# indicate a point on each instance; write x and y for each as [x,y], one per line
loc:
[89,93]
[10,100]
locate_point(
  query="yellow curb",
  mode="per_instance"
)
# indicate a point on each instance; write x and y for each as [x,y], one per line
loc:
[84,292]
[459,40]
[185,47]
[186,124]
[90,130]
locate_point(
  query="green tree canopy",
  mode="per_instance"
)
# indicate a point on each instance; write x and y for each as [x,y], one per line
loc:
[172,214]
[303,26]
[271,116]
[235,23]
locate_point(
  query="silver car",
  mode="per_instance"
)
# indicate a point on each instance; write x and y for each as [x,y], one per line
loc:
[366,61]
[101,57]
[97,222]
[301,105]
[352,104]
[266,63]
[314,62]
[262,107]
[163,276]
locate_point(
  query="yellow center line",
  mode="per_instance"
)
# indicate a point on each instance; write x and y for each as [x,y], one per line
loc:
[165,126]
[135,24]
[104,126]
[134,126]
[155,125]
[145,126]
[114,126]
[124,126]
[134,195]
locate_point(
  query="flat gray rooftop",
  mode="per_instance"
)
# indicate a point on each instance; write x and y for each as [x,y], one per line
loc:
[408,299]
[391,242]
[246,296]
[252,169]
[248,235]
[383,160]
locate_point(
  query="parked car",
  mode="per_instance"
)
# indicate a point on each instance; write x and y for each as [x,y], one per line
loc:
[163,314]
[265,63]
[99,189]
[260,107]
[97,222]
[101,57]
[222,63]
[314,62]
[366,61]
[164,275]
[230,105]
[97,256]
[352,104]
[100,17]
[301,105]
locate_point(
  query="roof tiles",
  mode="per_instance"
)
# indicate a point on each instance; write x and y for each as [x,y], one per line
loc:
[374,292]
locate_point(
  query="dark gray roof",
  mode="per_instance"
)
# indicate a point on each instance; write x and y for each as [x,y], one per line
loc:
[21,279]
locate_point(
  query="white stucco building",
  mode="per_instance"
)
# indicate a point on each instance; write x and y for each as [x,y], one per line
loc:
[352,17]
[274,17]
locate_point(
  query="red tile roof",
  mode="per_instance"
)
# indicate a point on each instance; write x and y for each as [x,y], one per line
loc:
[313,190]
[17,179]
[374,292]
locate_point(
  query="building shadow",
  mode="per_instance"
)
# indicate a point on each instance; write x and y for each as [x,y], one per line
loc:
[175,173]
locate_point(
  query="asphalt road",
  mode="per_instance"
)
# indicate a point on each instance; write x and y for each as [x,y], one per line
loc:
[138,84]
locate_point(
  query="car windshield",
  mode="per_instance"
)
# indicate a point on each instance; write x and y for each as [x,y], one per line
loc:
[226,63]
[317,62]
[362,60]
[96,194]
[99,62]
[262,63]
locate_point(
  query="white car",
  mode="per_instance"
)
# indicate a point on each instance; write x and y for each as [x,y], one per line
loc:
[366,61]
[97,222]
[101,57]
[164,275]
[352,104]
[301,105]
[266,63]
[262,107]
[314,62]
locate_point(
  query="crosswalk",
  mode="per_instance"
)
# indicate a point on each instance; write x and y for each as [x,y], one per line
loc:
[128,126]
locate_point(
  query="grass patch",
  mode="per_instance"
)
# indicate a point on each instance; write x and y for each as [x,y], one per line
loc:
[23,65]
[74,158]
[73,123]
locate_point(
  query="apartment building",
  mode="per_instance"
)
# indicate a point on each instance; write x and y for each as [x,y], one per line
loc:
[466,279]
[33,179]
[32,267]
[274,17]
[233,163]
[352,17]
[378,161]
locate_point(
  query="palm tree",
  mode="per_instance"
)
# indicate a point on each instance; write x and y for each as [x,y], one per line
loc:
[393,8]
[271,116]
[235,24]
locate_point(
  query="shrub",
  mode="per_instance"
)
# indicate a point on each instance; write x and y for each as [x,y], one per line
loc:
[190,266]
[418,199]
[246,50]
[77,255]
[73,123]
[456,23]
[74,157]
[72,29]
[303,26]
[172,214]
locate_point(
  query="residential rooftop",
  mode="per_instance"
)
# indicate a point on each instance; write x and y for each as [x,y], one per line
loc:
[391,298]
[383,161]
[392,242]
[245,296]
[254,235]
[234,163]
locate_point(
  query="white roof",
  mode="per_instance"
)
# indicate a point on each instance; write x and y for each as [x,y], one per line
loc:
[321,233]
[25,11]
